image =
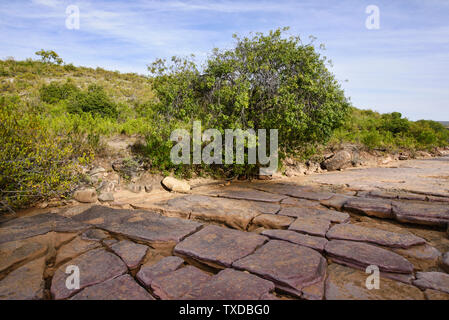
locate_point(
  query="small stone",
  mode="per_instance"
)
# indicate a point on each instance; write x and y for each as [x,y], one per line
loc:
[176,185]
[106,197]
[130,252]
[148,272]
[316,243]
[312,226]
[230,284]
[385,238]
[121,288]
[85,196]
[219,247]
[432,280]
[24,283]
[148,188]
[176,284]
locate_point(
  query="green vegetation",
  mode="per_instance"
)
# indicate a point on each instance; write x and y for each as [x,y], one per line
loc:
[54,117]
[390,132]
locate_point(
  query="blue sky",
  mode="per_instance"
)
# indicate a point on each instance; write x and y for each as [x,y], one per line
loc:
[402,67]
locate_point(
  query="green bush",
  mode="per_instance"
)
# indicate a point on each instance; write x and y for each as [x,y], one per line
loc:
[55,91]
[34,164]
[264,82]
[94,101]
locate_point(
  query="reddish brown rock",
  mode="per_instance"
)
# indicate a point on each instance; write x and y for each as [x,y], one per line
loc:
[422,213]
[432,280]
[422,257]
[372,235]
[121,288]
[130,252]
[345,283]
[94,235]
[236,214]
[24,283]
[370,207]
[302,203]
[295,191]
[361,255]
[291,267]
[95,266]
[316,243]
[336,202]
[176,284]
[143,226]
[12,253]
[272,221]
[219,247]
[436,295]
[31,226]
[230,284]
[248,194]
[74,248]
[325,214]
[148,272]
[312,226]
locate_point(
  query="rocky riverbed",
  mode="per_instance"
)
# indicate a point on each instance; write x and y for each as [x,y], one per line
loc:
[299,238]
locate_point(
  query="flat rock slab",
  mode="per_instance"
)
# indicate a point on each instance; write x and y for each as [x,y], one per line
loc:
[95,266]
[230,284]
[120,288]
[219,247]
[94,235]
[247,194]
[27,227]
[295,191]
[345,283]
[292,268]
[326,214]
[312,226]
[302,203]
[372,235]
[336,202]
[236,214]
[12,253]
[370,207]
[436,295]
[422,257]
[130,252]
[176,284]
[140,225]
[432,280]
[361,255]
[74,248]
[24,283]
[316,243]
[422,213]
[148,272]
[273,221]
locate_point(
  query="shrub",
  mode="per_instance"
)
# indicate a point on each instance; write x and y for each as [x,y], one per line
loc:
[55,91]
[34,164]
[265,82]
[94,101]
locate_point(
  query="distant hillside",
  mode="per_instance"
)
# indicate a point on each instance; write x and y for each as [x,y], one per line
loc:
[444,123]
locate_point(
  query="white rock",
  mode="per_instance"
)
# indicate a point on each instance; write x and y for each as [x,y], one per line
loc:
[176,185]
[86,196]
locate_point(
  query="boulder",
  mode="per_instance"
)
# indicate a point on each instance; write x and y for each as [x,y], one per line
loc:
[176,185]
[106,197]
[340,160]
[85,196]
